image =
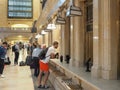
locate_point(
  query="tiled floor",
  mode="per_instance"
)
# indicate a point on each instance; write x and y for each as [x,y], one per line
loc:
[19,78]
[36,85]
[16,78]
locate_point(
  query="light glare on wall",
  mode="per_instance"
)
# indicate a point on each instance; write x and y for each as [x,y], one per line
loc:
[71,26]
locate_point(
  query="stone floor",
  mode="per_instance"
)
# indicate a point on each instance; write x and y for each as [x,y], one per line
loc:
[16,78]
[36,85]
[19,77]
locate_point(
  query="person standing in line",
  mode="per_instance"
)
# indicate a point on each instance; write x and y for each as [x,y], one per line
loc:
[29,49]
[3,51]
[36,51]
[44,67]
[16,53]
[33,46]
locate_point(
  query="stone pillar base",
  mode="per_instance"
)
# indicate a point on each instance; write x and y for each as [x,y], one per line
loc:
[72,62]
[77,63]
[108,74]
[96,72]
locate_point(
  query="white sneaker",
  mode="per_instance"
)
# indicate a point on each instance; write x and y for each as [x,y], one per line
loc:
[2,76]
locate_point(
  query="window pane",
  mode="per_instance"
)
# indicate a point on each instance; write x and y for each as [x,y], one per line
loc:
[20,9]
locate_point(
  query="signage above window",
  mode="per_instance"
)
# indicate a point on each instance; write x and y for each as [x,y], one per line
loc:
[73,11]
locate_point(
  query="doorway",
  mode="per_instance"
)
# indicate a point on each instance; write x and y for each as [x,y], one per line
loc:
[89,30]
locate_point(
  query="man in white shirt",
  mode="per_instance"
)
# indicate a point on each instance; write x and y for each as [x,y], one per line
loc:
[44,67]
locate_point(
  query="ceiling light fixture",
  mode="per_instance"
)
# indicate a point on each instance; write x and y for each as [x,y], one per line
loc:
[43,32]
[38,36]
[51,26]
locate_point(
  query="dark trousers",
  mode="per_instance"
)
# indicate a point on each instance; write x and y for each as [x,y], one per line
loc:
[16,57]
[36,66]
[1,66]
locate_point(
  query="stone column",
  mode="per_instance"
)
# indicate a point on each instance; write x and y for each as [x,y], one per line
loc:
[56,36]
[105,38]
[79,31]
[46,38]
[50,38]
[118,25]
[110,39]
[63,41]
[96,69]
[43,39]
[63,38]
[72,60]
[67,36]
[40,40]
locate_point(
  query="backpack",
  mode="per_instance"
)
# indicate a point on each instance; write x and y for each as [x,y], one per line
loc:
[13,48]
[42,54]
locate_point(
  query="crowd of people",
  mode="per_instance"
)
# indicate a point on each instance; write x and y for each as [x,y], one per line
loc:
[40,56]
[41,65]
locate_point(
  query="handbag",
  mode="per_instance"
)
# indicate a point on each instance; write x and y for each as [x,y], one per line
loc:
[7,61]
